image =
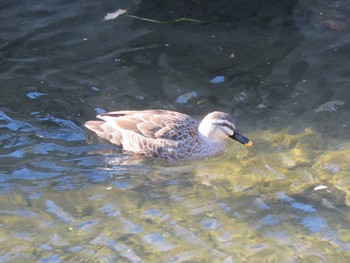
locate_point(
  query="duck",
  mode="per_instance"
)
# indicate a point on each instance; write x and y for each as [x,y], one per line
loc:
[166,134]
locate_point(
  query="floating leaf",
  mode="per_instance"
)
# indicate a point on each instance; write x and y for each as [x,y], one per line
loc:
[114,15]
[320,187]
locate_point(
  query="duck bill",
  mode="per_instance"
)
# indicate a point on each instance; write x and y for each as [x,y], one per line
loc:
[240,138]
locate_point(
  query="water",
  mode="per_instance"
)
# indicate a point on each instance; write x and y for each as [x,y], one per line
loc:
[280,69]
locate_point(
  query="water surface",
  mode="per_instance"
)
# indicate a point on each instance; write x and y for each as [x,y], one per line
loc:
[280,69]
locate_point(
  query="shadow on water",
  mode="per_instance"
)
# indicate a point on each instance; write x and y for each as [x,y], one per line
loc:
[278,67]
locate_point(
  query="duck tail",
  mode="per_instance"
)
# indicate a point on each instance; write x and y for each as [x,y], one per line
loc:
[105,131]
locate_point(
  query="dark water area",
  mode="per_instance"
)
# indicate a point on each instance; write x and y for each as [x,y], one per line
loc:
[280,68]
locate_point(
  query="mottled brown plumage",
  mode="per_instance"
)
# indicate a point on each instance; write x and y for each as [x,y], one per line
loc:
[167,134]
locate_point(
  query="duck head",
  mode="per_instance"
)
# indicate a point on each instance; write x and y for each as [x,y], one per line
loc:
[218,126]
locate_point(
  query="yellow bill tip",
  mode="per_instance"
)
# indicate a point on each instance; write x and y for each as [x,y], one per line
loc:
[249,144]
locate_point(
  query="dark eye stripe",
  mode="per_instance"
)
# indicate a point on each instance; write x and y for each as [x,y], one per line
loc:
[226,125]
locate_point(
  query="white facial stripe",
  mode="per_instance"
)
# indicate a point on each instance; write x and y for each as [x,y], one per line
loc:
[225,124]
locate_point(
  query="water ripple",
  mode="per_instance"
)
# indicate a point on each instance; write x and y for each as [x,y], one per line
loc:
[15,125]
[68,196]
[314,224]
[57,211]
[110,210]
[158,242]
[30,175]
[130,227]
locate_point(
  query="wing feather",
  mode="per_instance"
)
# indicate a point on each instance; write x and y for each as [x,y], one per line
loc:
[153,124]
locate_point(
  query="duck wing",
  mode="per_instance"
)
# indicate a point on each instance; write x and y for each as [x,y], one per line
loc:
[153,124]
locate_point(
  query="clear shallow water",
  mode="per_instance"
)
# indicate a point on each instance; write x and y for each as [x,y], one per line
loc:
[66,196]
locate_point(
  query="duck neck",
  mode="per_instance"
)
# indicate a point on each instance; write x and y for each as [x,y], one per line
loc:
[208,145]
[204,131]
